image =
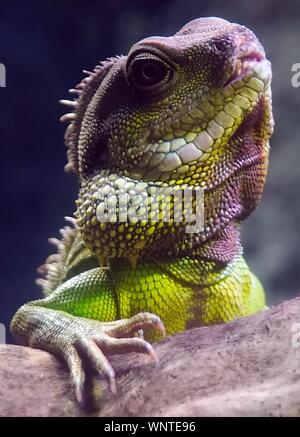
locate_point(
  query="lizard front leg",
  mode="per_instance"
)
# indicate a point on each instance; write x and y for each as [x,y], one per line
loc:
[78,323]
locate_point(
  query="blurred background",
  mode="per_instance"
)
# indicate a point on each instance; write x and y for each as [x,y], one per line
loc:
[45,45]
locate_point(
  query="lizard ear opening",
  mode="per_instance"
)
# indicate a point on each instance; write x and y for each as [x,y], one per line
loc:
[83,92]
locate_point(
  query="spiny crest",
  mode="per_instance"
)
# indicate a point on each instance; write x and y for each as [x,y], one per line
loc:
[84,92]
[54,269]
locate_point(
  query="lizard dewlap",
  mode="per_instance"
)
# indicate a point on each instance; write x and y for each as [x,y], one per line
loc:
[190,111]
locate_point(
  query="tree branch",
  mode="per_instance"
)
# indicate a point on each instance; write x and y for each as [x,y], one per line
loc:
[249,367]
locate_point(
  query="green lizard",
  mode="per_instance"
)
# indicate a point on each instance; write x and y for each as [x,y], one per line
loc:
[189,110]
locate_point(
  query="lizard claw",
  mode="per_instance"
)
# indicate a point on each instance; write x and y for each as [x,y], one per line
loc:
[86,344]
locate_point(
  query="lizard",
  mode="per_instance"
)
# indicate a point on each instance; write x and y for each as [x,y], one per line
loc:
[188,111]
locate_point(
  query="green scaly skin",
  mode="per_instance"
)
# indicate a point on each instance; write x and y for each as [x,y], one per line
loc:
[190,110]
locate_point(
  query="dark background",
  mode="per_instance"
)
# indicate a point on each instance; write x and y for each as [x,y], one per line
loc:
[45,45]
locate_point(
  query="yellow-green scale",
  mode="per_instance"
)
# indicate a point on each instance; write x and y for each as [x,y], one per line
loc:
[183,293]
[172,291]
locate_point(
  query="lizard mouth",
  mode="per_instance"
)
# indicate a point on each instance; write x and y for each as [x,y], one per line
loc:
[245,65]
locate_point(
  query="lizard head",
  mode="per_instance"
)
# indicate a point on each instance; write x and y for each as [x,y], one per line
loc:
[189,110]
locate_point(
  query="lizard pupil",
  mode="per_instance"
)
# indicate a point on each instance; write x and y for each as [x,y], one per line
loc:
[148,73]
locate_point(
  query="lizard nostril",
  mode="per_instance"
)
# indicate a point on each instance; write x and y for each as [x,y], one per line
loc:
[219,46]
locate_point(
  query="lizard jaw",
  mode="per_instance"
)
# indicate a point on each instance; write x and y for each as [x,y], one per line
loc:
[167,159]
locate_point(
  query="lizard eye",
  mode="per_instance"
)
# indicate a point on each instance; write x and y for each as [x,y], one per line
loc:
[147,72]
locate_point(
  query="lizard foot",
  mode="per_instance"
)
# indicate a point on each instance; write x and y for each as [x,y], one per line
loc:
[84,348]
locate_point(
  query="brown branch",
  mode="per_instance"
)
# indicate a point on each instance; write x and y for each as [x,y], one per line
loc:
[249,367]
